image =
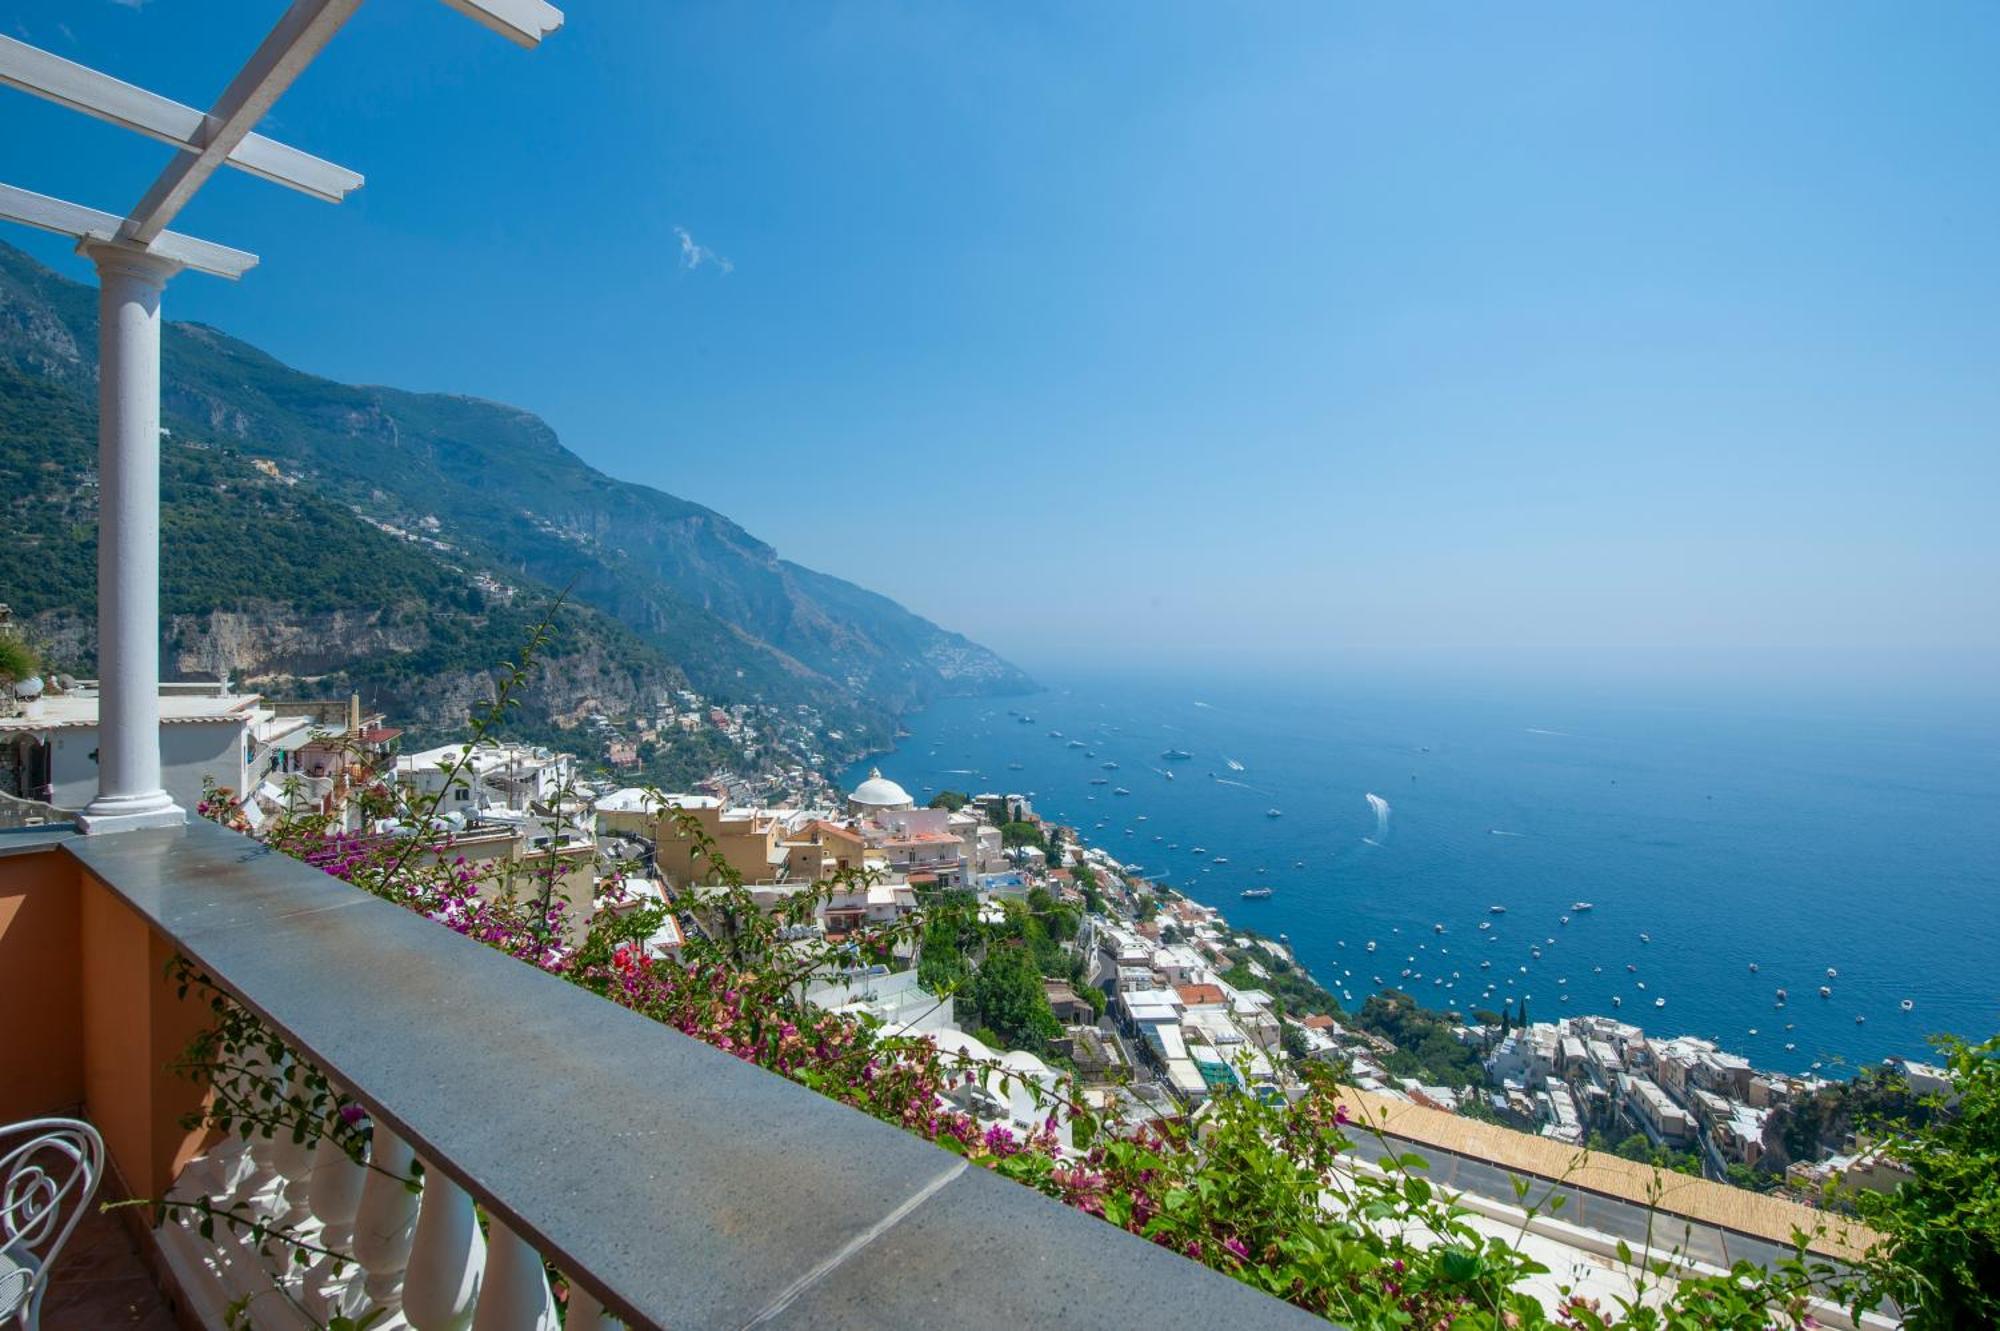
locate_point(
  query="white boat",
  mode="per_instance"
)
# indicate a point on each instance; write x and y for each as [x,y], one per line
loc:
[1832,974]
[1274,813]
[1496,910]
[1581,906]
[1659,1002]
[1906,1005]
[1486,924]
[1256,893]
[1825,992]
[1645,938]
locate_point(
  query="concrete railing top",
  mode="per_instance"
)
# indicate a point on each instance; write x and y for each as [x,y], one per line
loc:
[680,1185]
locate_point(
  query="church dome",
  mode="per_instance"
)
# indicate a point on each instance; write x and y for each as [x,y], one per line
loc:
[879,792]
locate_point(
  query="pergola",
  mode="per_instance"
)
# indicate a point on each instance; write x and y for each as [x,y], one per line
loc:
[135,254]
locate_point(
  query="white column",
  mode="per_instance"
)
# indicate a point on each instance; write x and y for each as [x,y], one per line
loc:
[447,1260]
[129,791]
[335,1200]
[293,1158]
[515,1295]
[386,1221]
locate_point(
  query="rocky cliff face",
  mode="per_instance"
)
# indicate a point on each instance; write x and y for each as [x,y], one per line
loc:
[273,639]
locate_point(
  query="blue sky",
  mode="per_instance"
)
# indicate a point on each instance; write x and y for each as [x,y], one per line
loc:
[1584,341]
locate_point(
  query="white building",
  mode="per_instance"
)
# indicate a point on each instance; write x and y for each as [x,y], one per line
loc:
[878,794]
[48,752]
[510,776]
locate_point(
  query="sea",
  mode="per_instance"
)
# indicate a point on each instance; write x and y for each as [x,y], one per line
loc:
[1727,851]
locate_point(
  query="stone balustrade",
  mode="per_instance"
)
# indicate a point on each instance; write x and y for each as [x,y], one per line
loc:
[669,1183]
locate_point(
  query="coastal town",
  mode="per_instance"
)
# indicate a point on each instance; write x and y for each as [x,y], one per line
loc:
[1151,1001]
[1467,802]
[1075,982]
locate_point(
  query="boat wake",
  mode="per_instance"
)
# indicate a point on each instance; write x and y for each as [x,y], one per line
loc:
[1371,841]
[1537,730]
[1233,765]
[1501,831]
[1381,808]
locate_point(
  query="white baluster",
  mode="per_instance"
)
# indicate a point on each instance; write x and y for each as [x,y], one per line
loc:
[385,1223]
[515,1295]
[293,1159]
[585,1312]
[334,1199]
[447,1258]
[262,1170]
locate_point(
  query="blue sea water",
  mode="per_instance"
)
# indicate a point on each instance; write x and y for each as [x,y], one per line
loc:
[1795,838]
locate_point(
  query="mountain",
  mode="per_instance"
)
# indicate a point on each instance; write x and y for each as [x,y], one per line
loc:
[332,535]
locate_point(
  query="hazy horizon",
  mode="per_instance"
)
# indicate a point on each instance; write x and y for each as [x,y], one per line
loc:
[1620,347]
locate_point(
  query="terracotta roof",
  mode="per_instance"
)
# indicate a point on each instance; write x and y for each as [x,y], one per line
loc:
[1319,1021]
[1197,995]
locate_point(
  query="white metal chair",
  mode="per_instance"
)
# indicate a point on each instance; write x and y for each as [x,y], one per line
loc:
[48,1176]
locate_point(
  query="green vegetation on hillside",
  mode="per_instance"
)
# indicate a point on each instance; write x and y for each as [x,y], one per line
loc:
[1639,1148]
[1425,1046]
[490,484]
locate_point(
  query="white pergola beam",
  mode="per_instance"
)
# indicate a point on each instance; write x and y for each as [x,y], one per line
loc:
[81,88]
[302,32]
[82,223]
[523,22]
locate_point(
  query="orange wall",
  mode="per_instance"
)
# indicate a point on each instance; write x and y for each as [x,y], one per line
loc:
[92,1019]
[41,998]
[134,1028]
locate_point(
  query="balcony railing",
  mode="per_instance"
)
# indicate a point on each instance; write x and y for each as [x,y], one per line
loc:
[672,1184]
